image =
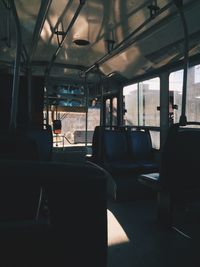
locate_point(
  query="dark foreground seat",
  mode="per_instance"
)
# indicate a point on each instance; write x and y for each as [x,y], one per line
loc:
[178,180]
[17,146]
[34,144]
[75,231]
[43,138]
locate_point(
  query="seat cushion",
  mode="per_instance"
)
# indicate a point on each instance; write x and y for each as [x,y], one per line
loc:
[122,166]
[148,166]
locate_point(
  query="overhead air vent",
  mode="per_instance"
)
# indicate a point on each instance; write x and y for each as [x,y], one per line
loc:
[81,42]
[174,51]
[166,53]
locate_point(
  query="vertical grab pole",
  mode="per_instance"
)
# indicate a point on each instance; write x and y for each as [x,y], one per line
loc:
[48,69]
[29,76]
[183,118]
[102,106]
[15,91]
[86,113]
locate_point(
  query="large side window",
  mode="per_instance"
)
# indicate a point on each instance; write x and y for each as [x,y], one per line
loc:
[193,94]
[130,94]
[149,100]
[192,97]
[140,106]
[175,95]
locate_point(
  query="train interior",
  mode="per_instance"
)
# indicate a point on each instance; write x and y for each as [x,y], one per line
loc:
[99,133]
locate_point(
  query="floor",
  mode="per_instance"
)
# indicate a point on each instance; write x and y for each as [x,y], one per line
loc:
[136,239]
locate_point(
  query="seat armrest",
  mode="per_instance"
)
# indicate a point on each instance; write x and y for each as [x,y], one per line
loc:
[151,180]
[111,184]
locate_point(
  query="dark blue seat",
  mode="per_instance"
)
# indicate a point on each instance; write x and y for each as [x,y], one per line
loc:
[141,151]
[178,179]
[17,146]
[124,154]
[116,154]
[44,141]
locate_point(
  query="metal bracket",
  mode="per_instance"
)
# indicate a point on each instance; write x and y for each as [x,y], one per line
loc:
[6,4]
[153,8]
[59,33]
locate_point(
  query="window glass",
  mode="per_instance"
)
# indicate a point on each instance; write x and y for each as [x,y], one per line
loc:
[141,101]
[149,100]
[192,97]
[108,110]
[114,111]
[73,126]
[175,95]
[193,94]
[140,106]
[197,74]
[130,95]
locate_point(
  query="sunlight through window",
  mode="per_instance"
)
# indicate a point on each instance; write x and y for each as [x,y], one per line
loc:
[116,234]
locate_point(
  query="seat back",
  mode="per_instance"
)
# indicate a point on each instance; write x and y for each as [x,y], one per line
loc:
[19,192]
[96,144]
[115,145]
[77,204]
[20,196]
[77,201]
[17,146]
[140,145]
[44,141]
[180,161]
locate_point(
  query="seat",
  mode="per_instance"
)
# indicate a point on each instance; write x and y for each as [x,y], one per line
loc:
[44,141]
[77,224]
[141,150]
[17,146]
[77,200]
[124,154]
[178,179]
[97,145]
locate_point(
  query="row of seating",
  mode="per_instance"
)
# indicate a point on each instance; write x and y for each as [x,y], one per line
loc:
[124,154]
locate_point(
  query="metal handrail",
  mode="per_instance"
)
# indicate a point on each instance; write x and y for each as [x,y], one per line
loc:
[48,69]
[15,91]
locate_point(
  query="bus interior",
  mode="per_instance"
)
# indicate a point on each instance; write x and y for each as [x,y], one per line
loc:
[99,133]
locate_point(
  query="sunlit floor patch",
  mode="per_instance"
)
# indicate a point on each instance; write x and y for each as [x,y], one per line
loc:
[116,234]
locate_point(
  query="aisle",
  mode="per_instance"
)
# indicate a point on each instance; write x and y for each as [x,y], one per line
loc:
[135,239]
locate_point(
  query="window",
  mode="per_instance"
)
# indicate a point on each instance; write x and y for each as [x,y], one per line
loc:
[130,94]
[108,112]
[140,106]
[175,94]
[114,111]
[111,111]
[149,100]
[73,124]
[141,101]
[197,74]
[193,93]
